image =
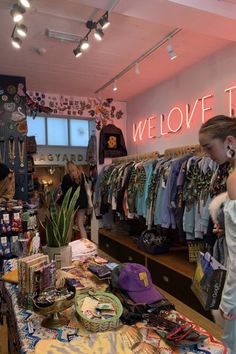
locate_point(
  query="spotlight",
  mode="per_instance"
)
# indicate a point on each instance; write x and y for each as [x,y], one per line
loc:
[77,52]
[98,34]
[171,52]
[137,70]
[21,30]
[104,22]
[17,12]
[16,42]
[25,3]
[84,45]
[114,86]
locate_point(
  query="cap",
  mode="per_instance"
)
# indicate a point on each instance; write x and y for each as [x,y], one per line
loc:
[136,280]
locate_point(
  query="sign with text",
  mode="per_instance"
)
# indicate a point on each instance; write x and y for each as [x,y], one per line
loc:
[59,156]
[180,117]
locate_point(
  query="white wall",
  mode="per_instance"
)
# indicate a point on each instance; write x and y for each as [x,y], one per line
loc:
[212,75]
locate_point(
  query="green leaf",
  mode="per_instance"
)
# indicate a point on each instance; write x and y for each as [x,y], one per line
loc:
[58,224]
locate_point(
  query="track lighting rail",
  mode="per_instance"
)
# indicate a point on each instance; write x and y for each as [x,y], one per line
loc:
[163,41]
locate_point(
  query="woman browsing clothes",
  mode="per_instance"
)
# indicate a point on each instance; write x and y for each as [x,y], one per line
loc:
[73,179]
[218,138]
[7,183]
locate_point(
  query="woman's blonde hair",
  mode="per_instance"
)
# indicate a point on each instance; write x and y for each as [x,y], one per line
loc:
[72,163]
[219,127]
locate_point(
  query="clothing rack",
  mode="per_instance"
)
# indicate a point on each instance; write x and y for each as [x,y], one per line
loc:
[136,157]
[182,150]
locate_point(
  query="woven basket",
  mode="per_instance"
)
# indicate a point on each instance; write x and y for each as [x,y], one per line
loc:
[100,325]
[194,247]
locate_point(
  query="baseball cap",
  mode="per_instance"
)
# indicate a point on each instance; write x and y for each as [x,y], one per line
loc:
[136,280]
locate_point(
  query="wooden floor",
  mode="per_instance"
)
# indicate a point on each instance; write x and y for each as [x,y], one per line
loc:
[194,316]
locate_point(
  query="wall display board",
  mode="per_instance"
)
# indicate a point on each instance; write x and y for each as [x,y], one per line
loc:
[13,129]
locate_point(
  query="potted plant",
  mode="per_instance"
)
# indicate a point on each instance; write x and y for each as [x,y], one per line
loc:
[57,225]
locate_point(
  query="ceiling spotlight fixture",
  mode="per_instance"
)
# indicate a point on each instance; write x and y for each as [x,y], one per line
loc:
[21,30]
[104,21]
[16,42]
[171,52]
[25,3]
[17,12]
[137,70]
[84,44]
[114,86]
[98,34]
[77,52]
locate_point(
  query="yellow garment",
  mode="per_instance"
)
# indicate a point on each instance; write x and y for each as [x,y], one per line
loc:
[102,343]
[11,277]
[7,188]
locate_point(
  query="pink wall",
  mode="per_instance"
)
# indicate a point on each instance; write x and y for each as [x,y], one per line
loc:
[211,76]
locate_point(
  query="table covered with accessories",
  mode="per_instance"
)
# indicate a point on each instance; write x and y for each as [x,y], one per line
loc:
[31,337]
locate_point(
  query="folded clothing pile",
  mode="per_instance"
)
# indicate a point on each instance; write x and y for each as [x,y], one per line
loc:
[82,248]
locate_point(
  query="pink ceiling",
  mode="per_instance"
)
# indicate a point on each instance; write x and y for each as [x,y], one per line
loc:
[136,26]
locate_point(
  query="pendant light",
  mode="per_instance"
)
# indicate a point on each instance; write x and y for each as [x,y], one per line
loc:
[98,34]
[84,45]
[104,21]
[21,30]
[16,42]
[77,52]
[170,51]
[25,3]
[114,86]
[17,12]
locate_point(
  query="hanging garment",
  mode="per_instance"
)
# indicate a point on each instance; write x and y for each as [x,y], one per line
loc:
[111,143]
[91,154]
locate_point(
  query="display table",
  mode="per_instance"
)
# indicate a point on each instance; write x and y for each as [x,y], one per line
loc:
[25,341]
[170,271]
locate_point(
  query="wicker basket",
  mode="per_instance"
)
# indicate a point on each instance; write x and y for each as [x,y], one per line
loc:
[100,325]
[194,247]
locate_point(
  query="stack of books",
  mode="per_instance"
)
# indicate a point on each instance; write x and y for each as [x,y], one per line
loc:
[35,274]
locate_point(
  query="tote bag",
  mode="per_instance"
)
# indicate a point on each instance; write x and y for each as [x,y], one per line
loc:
[208,281]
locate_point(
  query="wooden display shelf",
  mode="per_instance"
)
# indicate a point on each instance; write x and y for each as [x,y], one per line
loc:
[176,258]
[171,271]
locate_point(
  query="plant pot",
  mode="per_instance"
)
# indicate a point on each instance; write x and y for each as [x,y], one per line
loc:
[62,255]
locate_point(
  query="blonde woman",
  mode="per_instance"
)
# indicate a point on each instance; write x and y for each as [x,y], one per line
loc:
[218,138]
[73,179]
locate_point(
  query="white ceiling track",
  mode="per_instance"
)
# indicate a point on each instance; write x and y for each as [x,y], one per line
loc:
[140,58]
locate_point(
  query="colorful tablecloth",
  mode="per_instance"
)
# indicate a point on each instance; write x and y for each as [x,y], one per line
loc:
[26,341]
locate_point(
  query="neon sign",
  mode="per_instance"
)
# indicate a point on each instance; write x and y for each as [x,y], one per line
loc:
[177,118]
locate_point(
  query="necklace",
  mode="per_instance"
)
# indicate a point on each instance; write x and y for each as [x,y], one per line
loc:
[11,150]
[21,149]
[2,149]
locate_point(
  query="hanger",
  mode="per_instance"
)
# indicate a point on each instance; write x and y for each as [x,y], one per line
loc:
[183,150]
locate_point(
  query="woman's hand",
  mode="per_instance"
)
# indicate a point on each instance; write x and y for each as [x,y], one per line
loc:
[227,316]
[218,230]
